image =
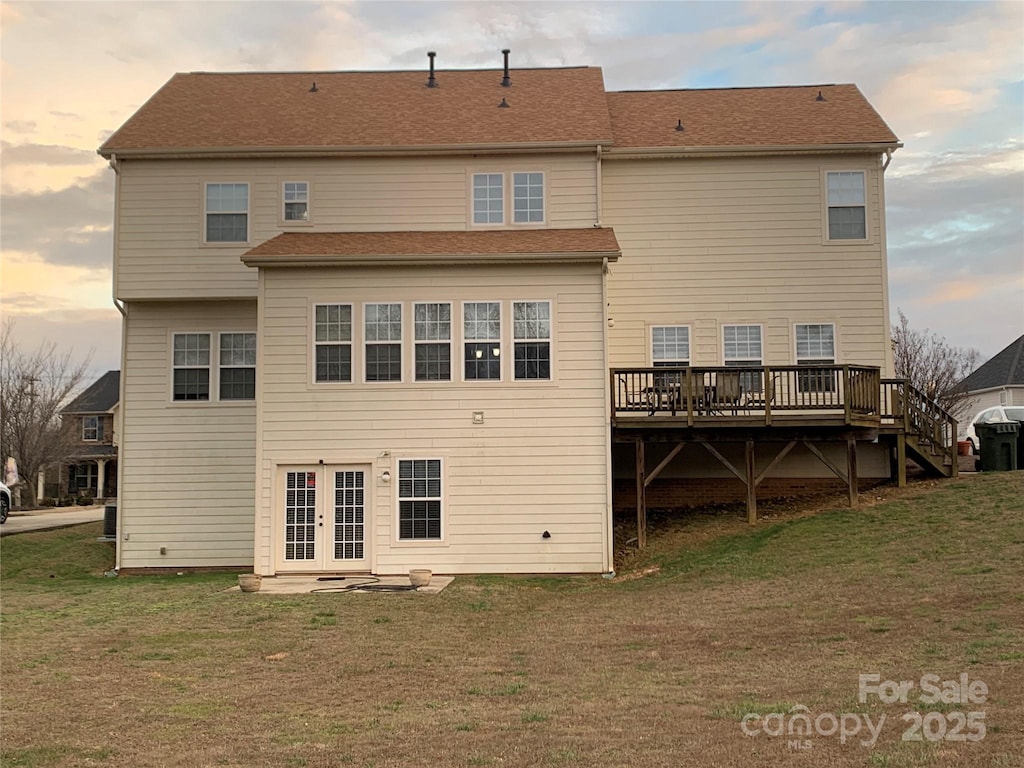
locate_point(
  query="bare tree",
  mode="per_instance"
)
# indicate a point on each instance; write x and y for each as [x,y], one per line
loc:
[933,365]
[34,386]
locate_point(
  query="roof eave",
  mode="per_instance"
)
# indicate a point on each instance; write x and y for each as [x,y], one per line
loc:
[424,260]
[639,153]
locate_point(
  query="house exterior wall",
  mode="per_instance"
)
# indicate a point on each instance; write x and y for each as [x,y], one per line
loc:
[160,212]
[505,481]
[187,467]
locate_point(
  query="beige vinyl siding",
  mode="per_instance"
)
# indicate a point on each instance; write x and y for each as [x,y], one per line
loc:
[160,224]
[505,481]
[741,241]
[187,468]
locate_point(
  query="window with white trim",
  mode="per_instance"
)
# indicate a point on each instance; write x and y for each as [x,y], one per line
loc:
[481,334]
[433,341]
[419,499]
[488,198]
[227,213]
[237,372]
[383,342]
[670,345]
[528,197]
[847,209]
[296,201]
[742,347]
[332,342]
[90,428]
[816,345]
[531,332]
[191,366]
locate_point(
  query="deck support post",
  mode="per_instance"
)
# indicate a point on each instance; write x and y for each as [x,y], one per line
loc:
[751,482]
[641,495]
[901,460]
[851,469]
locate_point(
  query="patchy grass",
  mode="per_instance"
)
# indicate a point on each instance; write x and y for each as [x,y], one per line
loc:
[715,621]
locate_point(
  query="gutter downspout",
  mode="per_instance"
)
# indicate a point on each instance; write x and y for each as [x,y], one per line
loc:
[115,165]
[600,197]
[888,159]
[608,556]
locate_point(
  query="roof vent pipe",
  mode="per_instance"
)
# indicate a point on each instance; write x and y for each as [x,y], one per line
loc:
[819,97]
[314,89]
[504,104]
[505,82]
[679,125]
[431,81]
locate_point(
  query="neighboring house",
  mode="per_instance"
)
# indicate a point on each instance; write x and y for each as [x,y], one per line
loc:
[90,424]
[383,320]
[1000,381]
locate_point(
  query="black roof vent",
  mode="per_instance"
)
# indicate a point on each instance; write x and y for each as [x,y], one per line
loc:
[504,104]
[679,126]
[431,81]
[505,82]
[314,89]
[819,97]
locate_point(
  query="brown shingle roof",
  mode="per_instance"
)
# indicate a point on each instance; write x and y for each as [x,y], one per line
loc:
[462,243]
[733,117]
[368,109]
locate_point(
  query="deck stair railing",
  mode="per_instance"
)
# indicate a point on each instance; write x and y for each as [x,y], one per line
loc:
[930,430]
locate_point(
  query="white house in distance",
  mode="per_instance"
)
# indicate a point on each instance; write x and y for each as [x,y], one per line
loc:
[1000,381]
[376,321]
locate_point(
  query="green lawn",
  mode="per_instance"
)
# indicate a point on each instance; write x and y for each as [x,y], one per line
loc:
[656,668]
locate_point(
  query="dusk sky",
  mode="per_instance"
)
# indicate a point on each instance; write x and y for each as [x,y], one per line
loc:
[947,77]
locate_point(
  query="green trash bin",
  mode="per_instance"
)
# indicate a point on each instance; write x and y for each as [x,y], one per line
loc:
[998,446]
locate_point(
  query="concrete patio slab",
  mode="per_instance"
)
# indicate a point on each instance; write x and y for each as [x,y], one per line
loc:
[303,585]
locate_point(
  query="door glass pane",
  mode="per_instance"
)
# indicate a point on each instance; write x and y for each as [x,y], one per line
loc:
[300,516]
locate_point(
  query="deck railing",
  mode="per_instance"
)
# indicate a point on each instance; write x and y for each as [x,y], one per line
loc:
[747,391]
[906,405]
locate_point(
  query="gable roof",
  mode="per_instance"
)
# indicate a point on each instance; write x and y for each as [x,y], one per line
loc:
[431,247]
[732,117]
[102,395]
[1006,369]
[261,111]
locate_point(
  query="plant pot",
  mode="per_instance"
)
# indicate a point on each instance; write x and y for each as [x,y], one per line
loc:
[250,582]
[419,577]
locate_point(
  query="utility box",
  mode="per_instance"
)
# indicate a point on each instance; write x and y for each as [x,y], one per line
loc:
[998,445]
[110,521]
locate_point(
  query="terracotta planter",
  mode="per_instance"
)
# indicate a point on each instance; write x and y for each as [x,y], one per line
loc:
[419,577]
[250,582]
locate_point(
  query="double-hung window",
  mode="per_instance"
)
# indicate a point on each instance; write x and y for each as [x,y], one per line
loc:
[227,213]
[296,201]
[742,347]
[191,366]
[419,499]
[433,340]
[488,198]
[383,336]
[332,334]
[670,346]
[481,333]
[847,210]
[237,366]
[91,428]
[531,330]
[528,197]
[816,345]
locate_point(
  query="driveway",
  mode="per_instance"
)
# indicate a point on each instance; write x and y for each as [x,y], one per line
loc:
[41,520]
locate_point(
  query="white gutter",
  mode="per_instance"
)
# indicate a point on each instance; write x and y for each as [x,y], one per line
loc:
[642,153]
[418,260]
[888,159]
[600,197]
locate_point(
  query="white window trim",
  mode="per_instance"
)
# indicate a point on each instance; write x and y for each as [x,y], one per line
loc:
[213,383]
[232,401]
[550,340]
[396,540]
[248,216]
[463,340]
[689,338]
[401,344]
[826,240]
[96,429]
[504,199]
[312,347]
[308,221]
[512,201]
[453,323]
[835,341]
[742,361]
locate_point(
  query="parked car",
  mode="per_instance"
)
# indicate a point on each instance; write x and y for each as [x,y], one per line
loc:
[993,415]
[5,502]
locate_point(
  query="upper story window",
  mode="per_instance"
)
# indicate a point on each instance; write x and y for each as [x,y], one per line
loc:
[670,345]
[383,327]
[528,197]
[742,346]
[191,366]
[91,429]
[481,333]
[816,345]
[847,210]
[433,340]
[227,213]
[488,198]
[531,330]
[332,342]
[296,201]
[238,366]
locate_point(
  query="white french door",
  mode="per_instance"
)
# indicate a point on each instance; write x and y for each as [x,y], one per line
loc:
[323,519]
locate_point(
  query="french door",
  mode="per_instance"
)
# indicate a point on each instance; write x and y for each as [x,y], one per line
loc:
[323,519]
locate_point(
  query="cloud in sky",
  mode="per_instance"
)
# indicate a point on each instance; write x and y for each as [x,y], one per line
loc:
[946,77]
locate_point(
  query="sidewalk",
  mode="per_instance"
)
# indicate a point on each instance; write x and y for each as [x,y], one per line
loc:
[49,518]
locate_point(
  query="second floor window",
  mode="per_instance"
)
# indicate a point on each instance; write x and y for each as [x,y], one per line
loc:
[191,366]
[488,198]
[433,331]
[332,342]
[296,201]
[238,366]
[481,332]
[227,213]
[383,342]
[528,197]
[816,345]
[847,211]
[91,428]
